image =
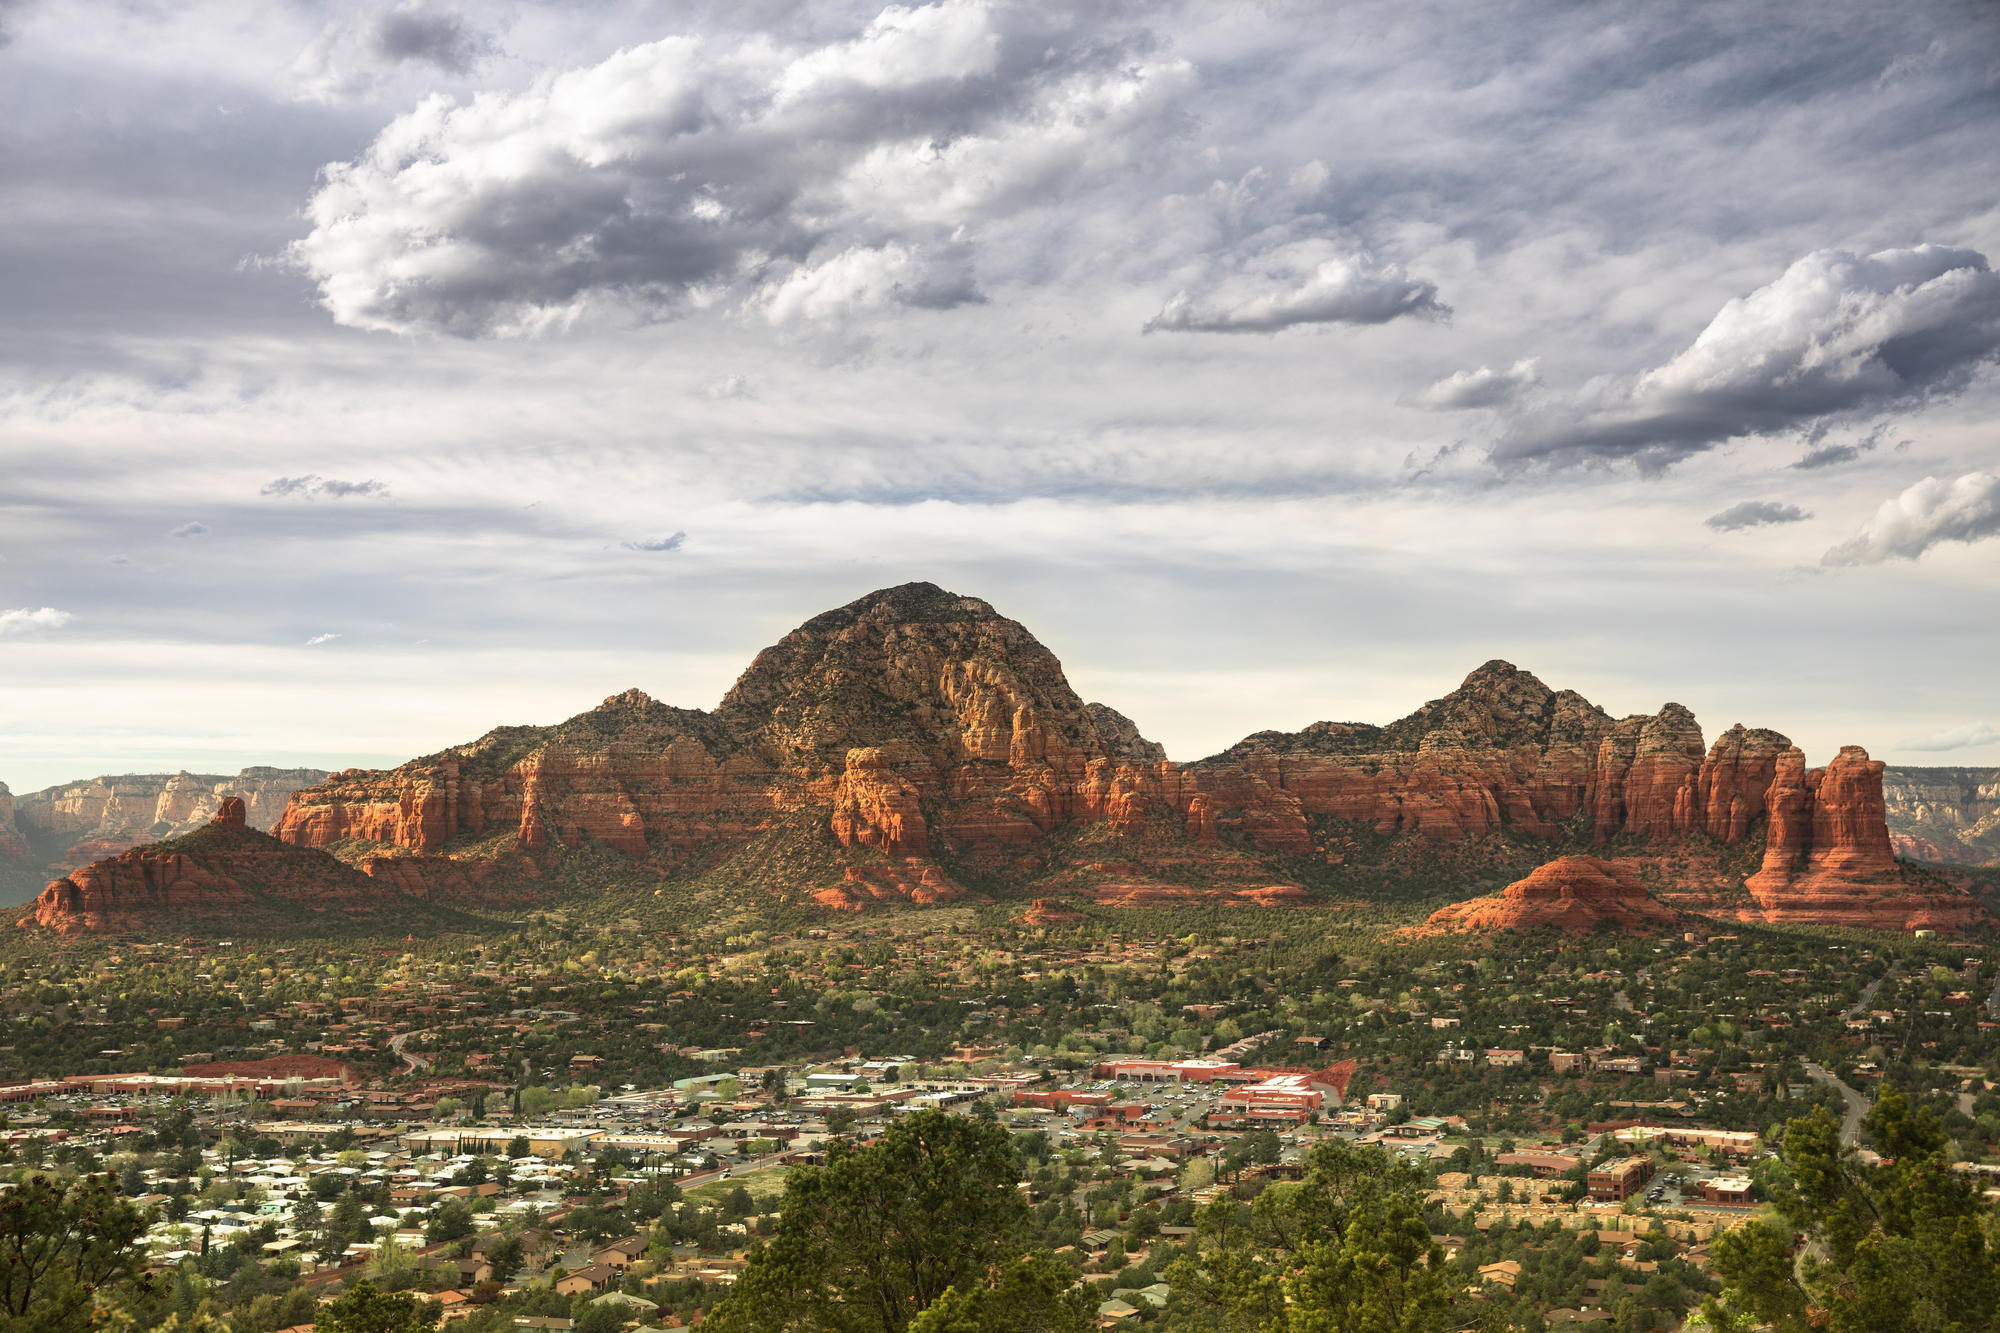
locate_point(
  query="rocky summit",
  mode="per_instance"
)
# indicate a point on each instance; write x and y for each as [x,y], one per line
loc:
[916,747]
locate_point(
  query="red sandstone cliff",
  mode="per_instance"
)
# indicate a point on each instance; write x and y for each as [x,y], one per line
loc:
[225,875]
[915,727]
[1572,894]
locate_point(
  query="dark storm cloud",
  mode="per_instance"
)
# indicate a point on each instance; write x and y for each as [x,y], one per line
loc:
[1755,514]
[442,39]
[1835,334]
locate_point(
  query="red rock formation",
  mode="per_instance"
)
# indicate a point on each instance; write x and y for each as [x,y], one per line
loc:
[918,723]
[1573,894]
[1828,858]
[226,875]
[1049,912]
[888,882]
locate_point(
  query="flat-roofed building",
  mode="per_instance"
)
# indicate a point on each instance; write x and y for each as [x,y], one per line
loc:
[1619,1180]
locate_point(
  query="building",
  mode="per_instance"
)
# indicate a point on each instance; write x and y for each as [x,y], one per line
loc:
[1562,1062]
[1384,1101]
[1619,1180]
[1282,1099]
[1543,1164]
[1687,1138]
[1727,1189]
[1505,1059]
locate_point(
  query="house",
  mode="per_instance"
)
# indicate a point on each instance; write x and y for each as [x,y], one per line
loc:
[1726,1189]
[621,1254]
[1505,1272]
[463,1272]
[1505,1059]
[594,1277]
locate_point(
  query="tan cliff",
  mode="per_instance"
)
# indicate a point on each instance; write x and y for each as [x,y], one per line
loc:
[75,823]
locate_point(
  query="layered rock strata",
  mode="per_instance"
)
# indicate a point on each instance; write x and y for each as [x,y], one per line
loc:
[1572,894]
[918,726]
[80,822]
[1944,814]
[226,874]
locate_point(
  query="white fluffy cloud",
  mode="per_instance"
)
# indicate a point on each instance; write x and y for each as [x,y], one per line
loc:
[1932,511]
[1835,333]
[1484,387]
[1345,290]
[1953,738]
[861,278]
[820,180]
[673,543]
[319,639]
[29,618]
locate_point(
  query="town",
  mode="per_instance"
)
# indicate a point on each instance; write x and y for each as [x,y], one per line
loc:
[583,1125]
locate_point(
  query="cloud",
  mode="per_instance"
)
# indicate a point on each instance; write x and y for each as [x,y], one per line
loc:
[1755,514]
[1953,738]
[1932,511]
[312,486]
[438,38]
[27,618]
[817,179]
[1835,334]
[1484,387]
[188,530]
[860,279]
[732,386]
[319,639]
[673,543]
[1828,455]
[1339,291]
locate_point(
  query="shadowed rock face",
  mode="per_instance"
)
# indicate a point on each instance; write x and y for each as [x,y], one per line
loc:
[226,876]
[76,823]
[916,741]
[1573,894]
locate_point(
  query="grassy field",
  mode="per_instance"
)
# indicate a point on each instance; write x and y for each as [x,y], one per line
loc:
[766,1186]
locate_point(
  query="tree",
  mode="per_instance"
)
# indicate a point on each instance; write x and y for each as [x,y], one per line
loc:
[1345,1250]
[367,1310]
[517,1147]
[505,1258]
[452,1221]
[1894,1246]
[61,1242]
[873,1239]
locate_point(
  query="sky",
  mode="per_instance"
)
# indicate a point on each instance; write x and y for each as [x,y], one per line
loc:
[373,375]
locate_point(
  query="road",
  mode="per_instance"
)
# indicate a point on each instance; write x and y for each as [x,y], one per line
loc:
[1857,1105]
[415,1062]
[1868,994]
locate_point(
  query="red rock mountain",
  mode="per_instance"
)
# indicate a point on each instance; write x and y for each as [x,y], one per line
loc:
[1572,894]
[225,876]
[915,746]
